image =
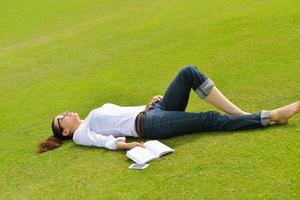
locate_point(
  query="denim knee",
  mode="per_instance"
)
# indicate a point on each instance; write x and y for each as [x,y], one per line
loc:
[191,72]
[189,68]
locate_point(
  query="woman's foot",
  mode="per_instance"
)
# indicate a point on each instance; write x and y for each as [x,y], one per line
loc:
[283,114]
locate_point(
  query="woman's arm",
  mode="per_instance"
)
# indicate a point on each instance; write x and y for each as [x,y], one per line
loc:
[87,137]
[128,146]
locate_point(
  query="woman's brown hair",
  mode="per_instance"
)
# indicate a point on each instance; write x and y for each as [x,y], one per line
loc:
[54,141]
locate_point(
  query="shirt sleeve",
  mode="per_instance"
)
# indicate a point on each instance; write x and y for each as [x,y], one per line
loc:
[87,137]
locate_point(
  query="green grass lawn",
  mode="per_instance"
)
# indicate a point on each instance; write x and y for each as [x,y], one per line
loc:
[77,55]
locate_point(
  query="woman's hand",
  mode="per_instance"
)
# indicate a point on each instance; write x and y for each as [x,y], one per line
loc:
[135,144]
[130,145]
[156,98]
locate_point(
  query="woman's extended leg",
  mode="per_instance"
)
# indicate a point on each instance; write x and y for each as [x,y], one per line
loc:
[177,94]
[158,123]
[161,124]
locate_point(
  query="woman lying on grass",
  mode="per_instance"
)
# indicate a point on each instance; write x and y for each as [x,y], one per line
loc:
[108,125]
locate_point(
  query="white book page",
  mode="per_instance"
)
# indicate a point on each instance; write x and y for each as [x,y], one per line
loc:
[157,148]
[140,155]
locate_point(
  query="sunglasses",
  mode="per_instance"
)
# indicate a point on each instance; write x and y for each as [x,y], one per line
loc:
[60,118]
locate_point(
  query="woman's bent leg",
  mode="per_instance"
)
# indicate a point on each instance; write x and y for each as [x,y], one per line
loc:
[177,95]
[161,124]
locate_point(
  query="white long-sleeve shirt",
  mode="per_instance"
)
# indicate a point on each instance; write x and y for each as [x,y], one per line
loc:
[106,125]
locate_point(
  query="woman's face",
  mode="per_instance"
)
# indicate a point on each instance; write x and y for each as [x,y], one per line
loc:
[67,121]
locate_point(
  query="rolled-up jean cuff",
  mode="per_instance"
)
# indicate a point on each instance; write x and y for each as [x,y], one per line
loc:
[204,89]
[265,117]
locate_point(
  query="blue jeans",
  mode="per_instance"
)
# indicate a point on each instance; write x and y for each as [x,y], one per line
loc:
[168,118]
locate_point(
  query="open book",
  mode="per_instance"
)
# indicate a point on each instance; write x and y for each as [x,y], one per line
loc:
[153,149]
